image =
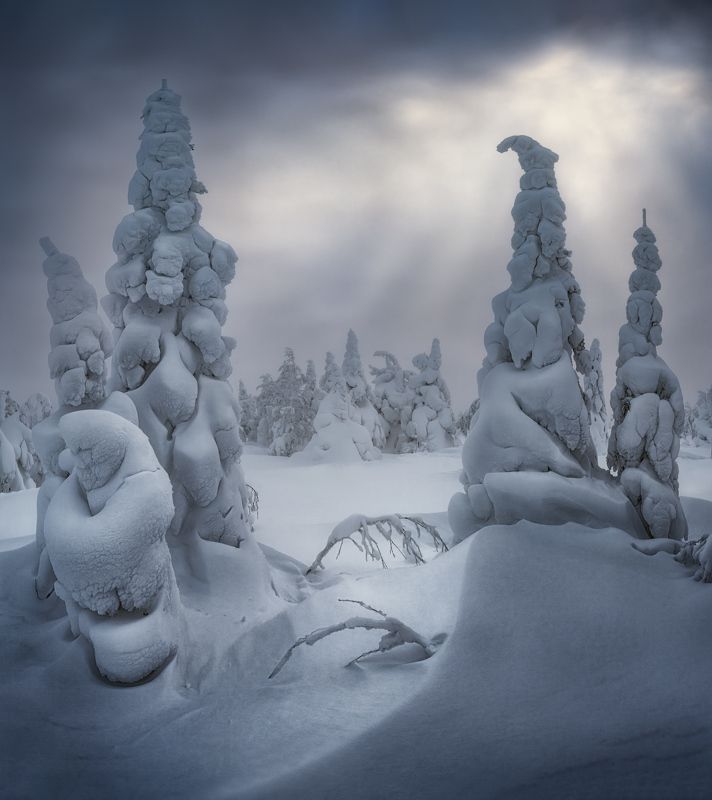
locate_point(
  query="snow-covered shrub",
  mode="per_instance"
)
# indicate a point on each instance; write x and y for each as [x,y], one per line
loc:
[19,464]
[360,392]
[167,303]
[338,434]
[595,399]
[105,530]
[529,453]
[648,409]
[393,399]
[431,425]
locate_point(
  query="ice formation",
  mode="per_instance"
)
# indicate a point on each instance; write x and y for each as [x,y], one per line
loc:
[338,433]
[360,391]
[529,453]
[648,409]
[393,399]
[431,425]
[167,303]
[595,400]
[105,530]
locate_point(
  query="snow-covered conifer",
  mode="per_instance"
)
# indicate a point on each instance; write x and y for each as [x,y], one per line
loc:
[292,418]
[265,404]
[167,303]
[360,391]
[530,444]
[19,464]
[312,393]
[595,398]
[338,436]
[648,409]
[248,409]
[393,399]
[431,424]
[105,530]
[36,408]
[464,421]
[701,417]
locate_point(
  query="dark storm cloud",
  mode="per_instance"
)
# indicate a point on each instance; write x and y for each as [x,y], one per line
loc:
[297,118]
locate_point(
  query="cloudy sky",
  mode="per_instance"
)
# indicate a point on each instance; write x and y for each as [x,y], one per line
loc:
[349,152]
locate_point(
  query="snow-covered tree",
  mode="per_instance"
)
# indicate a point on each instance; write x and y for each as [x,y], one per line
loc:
[338,435]
[464,421]
[105,530]
[648,409]
[431,424]
[360,391]
[700,418]
[595,399]
[19,464]
[248,414]
[292,415]
[167,303]
[36,408]
[265,403]
[80,342]
[313,395]
[529,453]
[393,399]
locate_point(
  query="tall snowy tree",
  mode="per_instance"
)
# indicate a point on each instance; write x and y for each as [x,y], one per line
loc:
[167,302]
[700,419]
[313,394]
[595,399]
[360,391]
[393,399]
[292,425]
[648,409]
[431,424]
[529,453]
[248,412]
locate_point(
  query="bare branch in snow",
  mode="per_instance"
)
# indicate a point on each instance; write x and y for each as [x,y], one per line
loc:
[355,529]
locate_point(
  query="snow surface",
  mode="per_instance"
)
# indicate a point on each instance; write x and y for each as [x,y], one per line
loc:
[573,665]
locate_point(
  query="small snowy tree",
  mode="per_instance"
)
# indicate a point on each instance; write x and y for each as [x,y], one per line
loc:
[595,399]
[80,343]
[105,530]
[529,453]
[360,391]
[292,417]
[431,424]
[19,464]
[338,436]
[167,303]
[393,399]
[464,421]
[265,404]
[313,395]
[248,412]
[36,408]
[701,418]
[648,409]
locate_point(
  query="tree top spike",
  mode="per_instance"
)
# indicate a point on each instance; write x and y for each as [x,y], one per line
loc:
[645,224]
[164,83]
[48,246]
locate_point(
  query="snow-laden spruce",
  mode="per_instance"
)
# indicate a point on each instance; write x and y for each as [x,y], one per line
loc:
[393,399]
[529,453]
[105,530]
[648,409]
[167,303]
[360,392]
[700,418]
[291,413]
[79,341]
[595,400]
[339,435]
[18,460]
[431,425]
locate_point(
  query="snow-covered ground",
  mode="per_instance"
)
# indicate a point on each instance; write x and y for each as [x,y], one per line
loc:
[573,665]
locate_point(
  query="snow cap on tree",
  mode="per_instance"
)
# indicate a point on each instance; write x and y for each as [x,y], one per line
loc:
[647,403]
[80,340]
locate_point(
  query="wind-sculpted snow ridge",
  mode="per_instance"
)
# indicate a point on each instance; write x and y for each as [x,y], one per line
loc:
[648,409]
[105,530]
[167,303]
[339,435]
[431,424]
[529,453]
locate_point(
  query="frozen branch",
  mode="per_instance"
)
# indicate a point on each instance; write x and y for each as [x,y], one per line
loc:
[397,633]
[356,529]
